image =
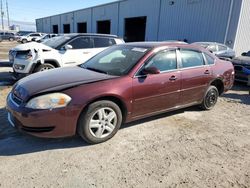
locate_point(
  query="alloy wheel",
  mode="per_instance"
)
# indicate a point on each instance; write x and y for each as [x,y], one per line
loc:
[103,122]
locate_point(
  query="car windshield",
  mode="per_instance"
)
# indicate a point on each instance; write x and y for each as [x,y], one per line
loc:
[116,60]
[55,42]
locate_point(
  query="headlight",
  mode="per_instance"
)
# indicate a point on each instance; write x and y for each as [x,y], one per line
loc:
[49,101]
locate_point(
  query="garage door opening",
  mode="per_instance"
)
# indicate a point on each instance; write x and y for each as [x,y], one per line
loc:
[82,27]
[55,29]
[135,29]
[66,28]
[103,27]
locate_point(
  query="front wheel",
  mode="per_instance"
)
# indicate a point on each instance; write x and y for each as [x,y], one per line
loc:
[44,67]
[99,122]
[24,41]
[210,98]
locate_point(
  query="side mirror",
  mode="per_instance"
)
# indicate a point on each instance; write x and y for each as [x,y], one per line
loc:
[151,70]
[68,47]
[244,54]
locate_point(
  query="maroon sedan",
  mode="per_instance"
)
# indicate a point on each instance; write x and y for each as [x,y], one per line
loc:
[121,84]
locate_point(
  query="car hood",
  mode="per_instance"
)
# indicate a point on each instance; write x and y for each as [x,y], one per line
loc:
[31,45]
[56,80]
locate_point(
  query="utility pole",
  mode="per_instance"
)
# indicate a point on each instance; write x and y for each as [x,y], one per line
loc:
[8,17]
[2,14]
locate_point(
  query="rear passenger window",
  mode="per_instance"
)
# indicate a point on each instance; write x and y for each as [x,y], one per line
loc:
[100,42]
[164,61]
[222,48]
[191,58]
[81,43]
[212,48]
[209,59]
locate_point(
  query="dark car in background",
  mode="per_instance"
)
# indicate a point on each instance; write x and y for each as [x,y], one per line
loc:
[10,36]
[242,68]
[220,50]
[123,83]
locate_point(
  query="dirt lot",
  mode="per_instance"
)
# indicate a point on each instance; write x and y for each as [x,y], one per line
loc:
[187,148]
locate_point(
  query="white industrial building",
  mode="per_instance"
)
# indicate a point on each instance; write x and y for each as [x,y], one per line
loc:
[224,21]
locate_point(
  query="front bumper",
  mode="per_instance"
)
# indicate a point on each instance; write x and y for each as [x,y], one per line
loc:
[42,123]
[28,66]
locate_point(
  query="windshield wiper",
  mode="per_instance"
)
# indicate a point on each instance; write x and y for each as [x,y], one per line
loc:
[94,69]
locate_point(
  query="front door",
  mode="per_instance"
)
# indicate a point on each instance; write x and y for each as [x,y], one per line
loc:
[157,92]
[81,51]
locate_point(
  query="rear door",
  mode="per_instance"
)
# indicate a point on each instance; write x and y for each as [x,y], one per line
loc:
[157,92]
[195,76]
[80,52]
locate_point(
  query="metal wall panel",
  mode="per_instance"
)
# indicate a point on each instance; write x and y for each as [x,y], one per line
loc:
[67,18]
[55,20]
[242,41]
[106,12]
[136,8]
[46,25]
[39,25]
[83,16]
[194,20]
[233,23]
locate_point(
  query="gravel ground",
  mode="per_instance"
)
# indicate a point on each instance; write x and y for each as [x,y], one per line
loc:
[186,148]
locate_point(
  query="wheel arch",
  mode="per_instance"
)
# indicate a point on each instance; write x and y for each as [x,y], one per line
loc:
[53,62]
[219,84]
[117,100]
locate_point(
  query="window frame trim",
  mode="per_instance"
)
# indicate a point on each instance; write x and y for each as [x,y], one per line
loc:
[190,49]
[152,56]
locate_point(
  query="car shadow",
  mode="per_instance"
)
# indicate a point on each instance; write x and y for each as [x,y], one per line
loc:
[5,64]
[13,142]
[160,116]
[237,97]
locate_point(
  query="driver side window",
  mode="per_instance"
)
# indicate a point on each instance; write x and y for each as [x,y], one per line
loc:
[81,43]
[164,61]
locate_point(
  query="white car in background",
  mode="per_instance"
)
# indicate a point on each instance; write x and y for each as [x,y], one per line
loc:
[29,37]
[61,51]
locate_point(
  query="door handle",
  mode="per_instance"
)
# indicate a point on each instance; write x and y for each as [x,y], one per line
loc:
[207,72]
[173,78]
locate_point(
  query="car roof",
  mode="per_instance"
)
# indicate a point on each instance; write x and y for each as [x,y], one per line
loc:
[89,34]
[209,43]
[163,44]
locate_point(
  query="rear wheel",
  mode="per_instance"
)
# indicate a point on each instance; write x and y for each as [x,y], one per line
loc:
[210,98]
[11,39]
[99,122]
[44,67]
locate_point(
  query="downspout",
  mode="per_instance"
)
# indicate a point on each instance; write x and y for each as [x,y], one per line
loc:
[229,21]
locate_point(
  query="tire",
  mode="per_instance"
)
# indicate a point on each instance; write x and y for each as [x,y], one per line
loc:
[210,98]
[44,67]
[11,39]
[103,127]
[24,41]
